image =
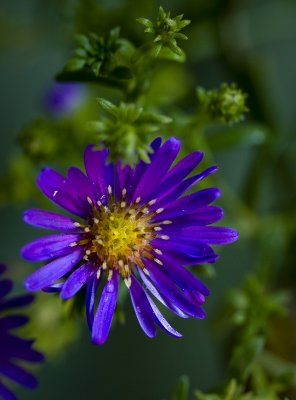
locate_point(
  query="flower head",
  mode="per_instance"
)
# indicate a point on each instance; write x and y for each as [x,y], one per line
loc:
[14,348]
[64,98]
[132,225]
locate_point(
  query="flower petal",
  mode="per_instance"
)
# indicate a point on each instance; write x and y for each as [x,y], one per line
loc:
[12,321]
[5,287]
[166,302]
[95,162]
[5,393]
[76,280]
[161,321]
[105,311]
[188,204]
[157,169]
[142,307]
[53,271]
[18,375]
[168,287]
[211,234]
[50,246]
[17,301]
[91,290]
[49,220]
[56,187]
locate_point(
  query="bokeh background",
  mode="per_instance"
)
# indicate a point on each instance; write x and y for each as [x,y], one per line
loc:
[251,42]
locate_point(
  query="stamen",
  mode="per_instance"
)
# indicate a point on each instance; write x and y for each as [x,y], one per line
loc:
[166,222]
[138,199]
[86,229]
[98,273]
[96,221]
[123,192]
[88,252]
[89,200]
[109,189]
[157,228]
[151,202]
[164,237]
[158,261]
[77,224]
[104,265]
[123,204]
[159,210]
[73,244]
[110,274]
[157,251]
[128,282]
[145,270]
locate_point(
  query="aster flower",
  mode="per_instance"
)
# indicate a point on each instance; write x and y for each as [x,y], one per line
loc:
[13,348]
[132,225]
[64,98]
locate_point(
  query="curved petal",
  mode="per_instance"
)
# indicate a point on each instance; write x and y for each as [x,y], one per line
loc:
[56,187]
[18,375]
[211,234]
[5,287]
[12,321]
[50,246]
[142,307]
[49,220]
[91,290]
[95,162]
[6,393]
[53,271]
[105,311]
[161,321]
[168,287]
[76,280]
[157,169]
[188,204]
[17,301]
[166,302]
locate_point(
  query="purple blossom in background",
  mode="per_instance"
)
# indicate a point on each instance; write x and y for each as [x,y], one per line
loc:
[13,348]
[64,98]
[132,224]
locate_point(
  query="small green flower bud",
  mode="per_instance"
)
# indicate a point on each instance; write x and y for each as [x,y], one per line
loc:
[226,104]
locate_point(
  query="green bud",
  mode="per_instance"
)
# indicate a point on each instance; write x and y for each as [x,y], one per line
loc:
[127,130]
[226,104]
[165,31]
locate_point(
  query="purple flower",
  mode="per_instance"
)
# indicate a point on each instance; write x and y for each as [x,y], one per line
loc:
[13,348]
[133,225]
[63,98]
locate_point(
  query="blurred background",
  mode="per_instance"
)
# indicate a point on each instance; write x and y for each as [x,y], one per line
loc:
[250,42]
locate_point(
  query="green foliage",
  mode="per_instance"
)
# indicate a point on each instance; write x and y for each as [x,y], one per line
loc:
[166,31]
[102,56]
[127,130]
[226,104]
[181,391]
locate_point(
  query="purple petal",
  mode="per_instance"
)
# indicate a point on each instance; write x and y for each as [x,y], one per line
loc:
[55,288]
[91,290]
[171,306]
[18,375]
[76,280]
[204,216]
[50,246]
[186,250]
[12,321]
[170,290]
[142,307]
[83,187]
[105,311]
[17,301]
[49,220]
[56,187]
[5,287]
[211,234]
[157,169]
[95,162]
[2,268]
[5,393]
[183,278]
[188,204]
[53,271]
[161,321]
[167,196]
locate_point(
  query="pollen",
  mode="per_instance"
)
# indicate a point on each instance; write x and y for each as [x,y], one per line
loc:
[119,233]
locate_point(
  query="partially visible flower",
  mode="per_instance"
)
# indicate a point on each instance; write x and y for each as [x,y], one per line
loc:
[14,349]
[132,224]
[64,98]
